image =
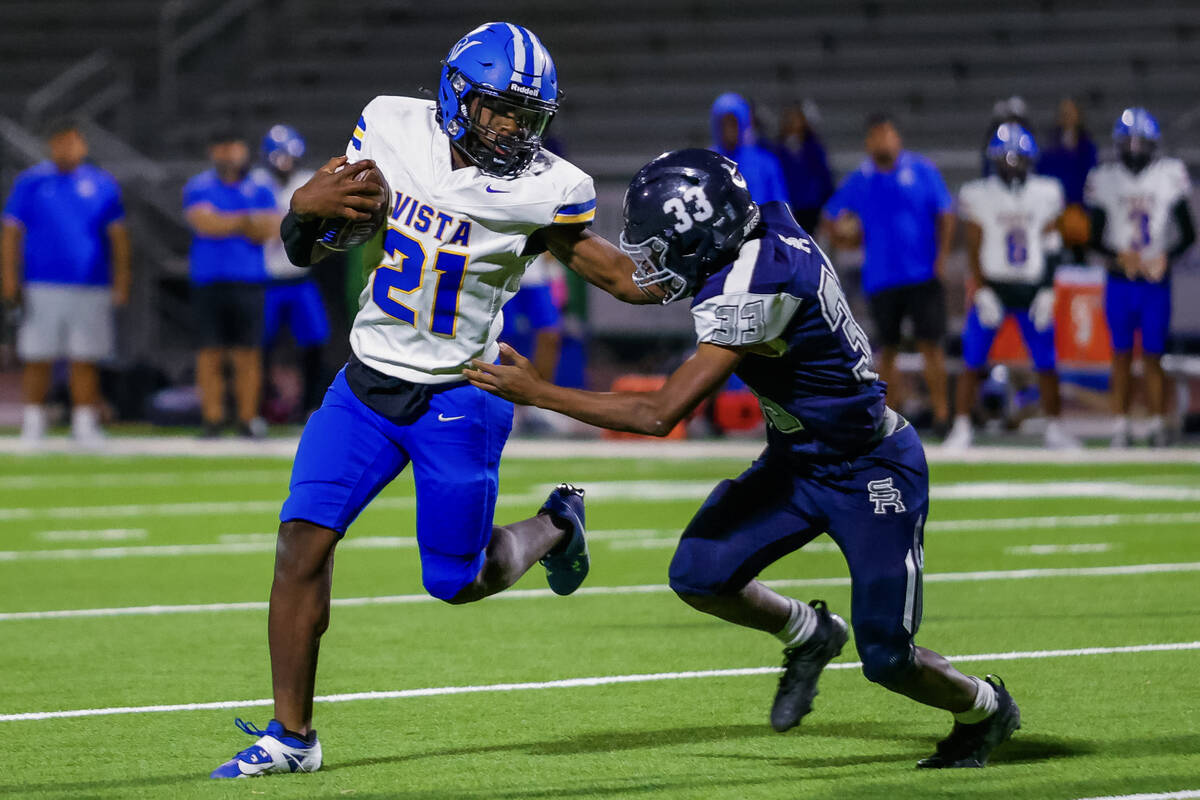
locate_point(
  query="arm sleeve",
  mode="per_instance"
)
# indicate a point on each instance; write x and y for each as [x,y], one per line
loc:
[1187,230]
[742,319]
[845,198]
[17,206]
[1098,219]
[578,206]
[299,238]
[359,146]
[114,209]
[942,199]
[193,193]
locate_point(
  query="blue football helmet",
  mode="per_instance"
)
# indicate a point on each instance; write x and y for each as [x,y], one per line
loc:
[282,147]
[1136,136]
[1012,152]
[687,214]
[496,97]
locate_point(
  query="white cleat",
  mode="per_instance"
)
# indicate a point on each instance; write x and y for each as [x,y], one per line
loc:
[1059,438]
[961,436]
[274,751]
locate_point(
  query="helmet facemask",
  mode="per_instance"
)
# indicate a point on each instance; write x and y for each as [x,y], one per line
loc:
[1136,152]
[650,274]
[500,132]
[1012,168]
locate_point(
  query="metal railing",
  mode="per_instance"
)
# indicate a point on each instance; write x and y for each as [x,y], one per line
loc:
[184,27]
[93,87]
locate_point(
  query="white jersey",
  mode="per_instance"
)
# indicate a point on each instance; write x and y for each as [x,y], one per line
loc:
[1014,220]
[279,267]
[1137,207]
[453,249]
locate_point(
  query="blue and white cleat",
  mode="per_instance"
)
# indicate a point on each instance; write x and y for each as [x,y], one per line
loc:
[567,564]
[275,751]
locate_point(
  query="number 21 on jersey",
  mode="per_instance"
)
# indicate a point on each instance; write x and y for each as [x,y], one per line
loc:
[406,277]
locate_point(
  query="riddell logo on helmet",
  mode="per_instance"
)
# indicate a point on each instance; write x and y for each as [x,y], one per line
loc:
[528,91]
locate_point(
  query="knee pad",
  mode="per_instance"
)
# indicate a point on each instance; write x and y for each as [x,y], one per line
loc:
[884,661]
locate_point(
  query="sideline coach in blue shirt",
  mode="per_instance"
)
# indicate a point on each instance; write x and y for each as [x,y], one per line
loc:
[64,255]
[905,217]
[232,215]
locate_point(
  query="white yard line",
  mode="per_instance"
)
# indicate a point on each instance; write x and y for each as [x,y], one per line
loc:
[633,589]
[622,491]
[571,449]
[572,683]
[1187,793]
[93,535]
[628,539]
[110,479]
[1057,549]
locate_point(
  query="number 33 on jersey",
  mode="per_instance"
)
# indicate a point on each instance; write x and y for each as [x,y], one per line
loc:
[455,245]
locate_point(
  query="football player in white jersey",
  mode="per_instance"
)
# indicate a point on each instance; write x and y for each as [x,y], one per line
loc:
[473,198]
[1012,246]
[293,297]
[1141,223]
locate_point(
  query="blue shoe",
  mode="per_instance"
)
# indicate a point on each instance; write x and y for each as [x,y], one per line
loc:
[274,751]
[567,564]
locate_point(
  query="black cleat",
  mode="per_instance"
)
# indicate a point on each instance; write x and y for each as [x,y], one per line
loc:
[802,666]
[568,563]
[970,745]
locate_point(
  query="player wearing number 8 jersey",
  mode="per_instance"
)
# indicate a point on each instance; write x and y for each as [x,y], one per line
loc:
[473,199]
[767,305]
[1141,223]
[1012,248]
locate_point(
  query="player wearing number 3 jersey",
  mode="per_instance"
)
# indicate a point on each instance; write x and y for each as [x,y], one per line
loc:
[473,199]
[767,305]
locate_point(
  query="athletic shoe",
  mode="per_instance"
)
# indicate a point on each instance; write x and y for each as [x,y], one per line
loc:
[275,751]
[802,666]
[210,430]
[255,429]
[1059,438]
[567,563]
[1156,436]
[970,745]
[961,435]
[1120,436]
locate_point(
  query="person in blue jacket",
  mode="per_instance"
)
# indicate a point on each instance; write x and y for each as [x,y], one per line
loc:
[733,137]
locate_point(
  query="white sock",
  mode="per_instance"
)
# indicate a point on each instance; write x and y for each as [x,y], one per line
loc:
[33,422]
[962,421]
[984,706]
[1122,425]
[801,624]
[1156,423]
[85,422]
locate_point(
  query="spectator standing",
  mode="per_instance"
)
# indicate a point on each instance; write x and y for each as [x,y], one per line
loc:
[897,205]
[734,137]
[805,167]
[292,296]
[232,214]
[1069,157]
[65,259]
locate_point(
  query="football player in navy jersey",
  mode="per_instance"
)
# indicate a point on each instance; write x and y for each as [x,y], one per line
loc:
[767,306]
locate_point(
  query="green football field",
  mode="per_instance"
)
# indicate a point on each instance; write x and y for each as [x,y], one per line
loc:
[1078,585]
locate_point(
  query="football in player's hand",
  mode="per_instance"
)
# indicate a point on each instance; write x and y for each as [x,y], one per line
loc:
[340,233]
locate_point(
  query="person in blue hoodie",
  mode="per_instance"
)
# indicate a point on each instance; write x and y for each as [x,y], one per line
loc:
[733,137]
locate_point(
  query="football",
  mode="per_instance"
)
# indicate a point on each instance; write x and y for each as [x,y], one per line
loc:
[341,234]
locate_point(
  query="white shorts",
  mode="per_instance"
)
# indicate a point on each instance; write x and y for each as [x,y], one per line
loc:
[64,321]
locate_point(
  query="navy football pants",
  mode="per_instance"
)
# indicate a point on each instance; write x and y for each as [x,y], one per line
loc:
[873,507]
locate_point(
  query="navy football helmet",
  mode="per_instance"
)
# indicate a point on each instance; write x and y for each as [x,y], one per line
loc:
[282,147]
[497,95]
[687,213]
[1136,136]
[1012,152]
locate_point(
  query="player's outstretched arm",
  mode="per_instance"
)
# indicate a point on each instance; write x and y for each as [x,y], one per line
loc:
[596,260]
[652,413]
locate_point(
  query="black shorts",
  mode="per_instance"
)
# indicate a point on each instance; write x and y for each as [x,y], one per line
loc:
[924,302]
[228,314]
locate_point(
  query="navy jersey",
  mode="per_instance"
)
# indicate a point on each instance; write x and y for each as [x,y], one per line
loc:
[809,362]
